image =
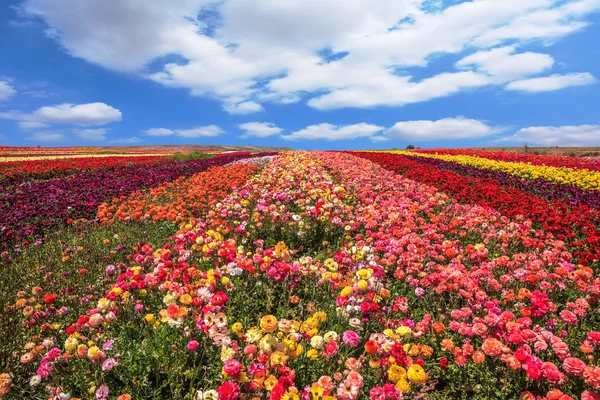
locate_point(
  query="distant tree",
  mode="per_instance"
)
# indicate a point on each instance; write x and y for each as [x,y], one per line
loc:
[526,148]
[410,147]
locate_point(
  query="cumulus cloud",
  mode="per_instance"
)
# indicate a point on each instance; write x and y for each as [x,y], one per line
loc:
[331,132]
[503,65]
[261,51]
[564,136]
[259,129]
[201,131]
[78,114]
[6,90]
[552,82]
[159,132]
[443,129]
[91,134]
[91,114]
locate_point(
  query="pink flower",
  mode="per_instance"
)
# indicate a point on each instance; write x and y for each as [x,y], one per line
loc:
[591,375]
[109,364]
[192,345]
[568,317]
[574,366]
[102,393]
[351,338]
[331,349]
[232,367]
[587,395]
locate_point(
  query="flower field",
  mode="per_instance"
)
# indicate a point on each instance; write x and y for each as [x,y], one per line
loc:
[448,274]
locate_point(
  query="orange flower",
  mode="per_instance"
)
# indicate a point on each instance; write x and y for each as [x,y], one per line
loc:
[438,328]
[447,344]
[268,323]
[478,357]
[492,347]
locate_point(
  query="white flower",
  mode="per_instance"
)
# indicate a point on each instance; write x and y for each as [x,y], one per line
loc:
[296,217]
[316,342]
[35,380]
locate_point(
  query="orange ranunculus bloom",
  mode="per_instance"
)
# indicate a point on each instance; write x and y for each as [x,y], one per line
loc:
[268,323]
[492,347]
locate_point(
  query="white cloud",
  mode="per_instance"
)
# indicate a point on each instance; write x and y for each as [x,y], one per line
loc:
[565,136]
[262,51]
[47,136]
[6,90]
[91,134]
[552,82]
[259,129]
[327,131]
[27,125]
[202,131]
[246,107]
[78,114]
[131,140]
[443,129]
[503,65]
[159,132]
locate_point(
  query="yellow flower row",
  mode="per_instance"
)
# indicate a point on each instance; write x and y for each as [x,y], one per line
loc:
[36,158]
[568,176]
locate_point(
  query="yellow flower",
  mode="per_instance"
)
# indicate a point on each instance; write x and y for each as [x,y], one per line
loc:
[93,352]
[316,392]
[253,335]
[403,330]
[416,374]
[395,373]
[150,318]
[320,316]
[312,354]
[278,358]
[290,396]
[346,291]
[365,273]
[270,382]
[362,284]
[186,299]
[403,386]
[237,328]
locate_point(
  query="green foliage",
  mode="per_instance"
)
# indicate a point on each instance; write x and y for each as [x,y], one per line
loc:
[194,155]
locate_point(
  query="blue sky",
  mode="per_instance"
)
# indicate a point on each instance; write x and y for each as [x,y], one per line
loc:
[310,74]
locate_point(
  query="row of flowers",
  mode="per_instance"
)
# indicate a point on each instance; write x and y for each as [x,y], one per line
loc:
[326,276]
[572,194]
[52,167]
[577,226]
[563,175]
[528,158]
[32,208]
[179,200]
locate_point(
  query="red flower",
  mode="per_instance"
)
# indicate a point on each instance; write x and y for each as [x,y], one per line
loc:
[50,298]
[229,391]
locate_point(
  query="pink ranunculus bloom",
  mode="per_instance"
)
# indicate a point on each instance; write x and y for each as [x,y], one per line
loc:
[351,338]
[574,366]
[232,367]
